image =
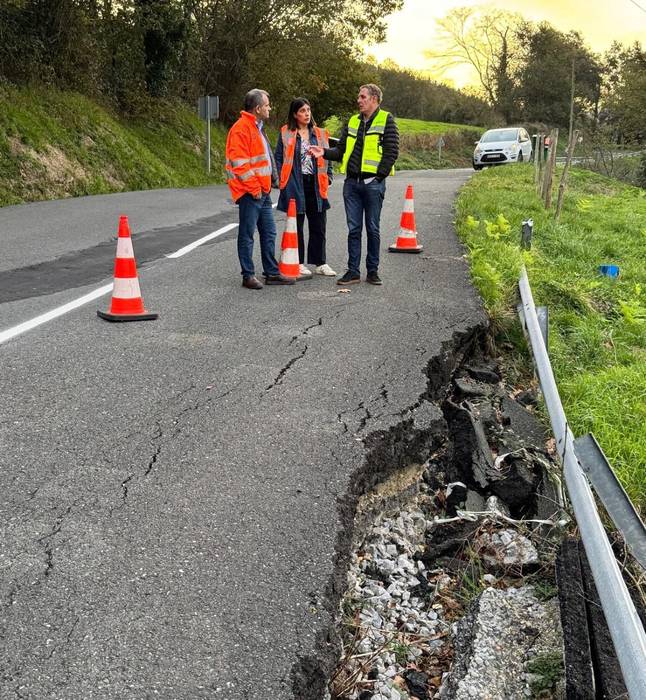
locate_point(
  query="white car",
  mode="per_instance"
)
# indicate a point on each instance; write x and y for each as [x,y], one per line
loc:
[497,146]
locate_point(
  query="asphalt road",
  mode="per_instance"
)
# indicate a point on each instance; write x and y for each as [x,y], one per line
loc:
[171,489]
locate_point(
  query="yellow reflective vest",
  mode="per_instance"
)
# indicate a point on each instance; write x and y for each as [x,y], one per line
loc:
[371,156]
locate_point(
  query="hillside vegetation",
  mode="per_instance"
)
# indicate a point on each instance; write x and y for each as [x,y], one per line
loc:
[597,340]
[57,144]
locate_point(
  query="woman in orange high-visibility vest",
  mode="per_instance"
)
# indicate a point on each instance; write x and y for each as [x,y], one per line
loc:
[305,179]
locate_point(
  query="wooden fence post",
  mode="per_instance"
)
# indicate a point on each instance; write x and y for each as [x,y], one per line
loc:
[549,168]
[570,152]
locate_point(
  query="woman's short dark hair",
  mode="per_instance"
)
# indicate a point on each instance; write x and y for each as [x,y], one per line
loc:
[296,104]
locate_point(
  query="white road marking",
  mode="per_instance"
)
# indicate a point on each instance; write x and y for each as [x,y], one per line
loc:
[209,237]
[54,313]
[101,291]
[191,246]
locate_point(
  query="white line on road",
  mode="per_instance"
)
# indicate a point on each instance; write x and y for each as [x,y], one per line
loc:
[209,237]
[101,291]
[191,246]
[54,313]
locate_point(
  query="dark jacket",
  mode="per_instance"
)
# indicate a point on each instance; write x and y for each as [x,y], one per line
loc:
[294,187]
[389,147]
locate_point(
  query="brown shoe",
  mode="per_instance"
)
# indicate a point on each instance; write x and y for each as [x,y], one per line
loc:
[279,279]
[251,283]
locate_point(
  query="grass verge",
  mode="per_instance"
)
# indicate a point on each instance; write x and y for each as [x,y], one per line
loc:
[597,324]
[59,144]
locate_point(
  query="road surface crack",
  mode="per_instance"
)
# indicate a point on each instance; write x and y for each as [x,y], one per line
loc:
[47,539]
[285,369]
[306,331]
[153,459]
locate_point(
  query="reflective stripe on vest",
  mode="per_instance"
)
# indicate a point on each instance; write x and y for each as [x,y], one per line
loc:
[371,155]
[263,167]
[289,146]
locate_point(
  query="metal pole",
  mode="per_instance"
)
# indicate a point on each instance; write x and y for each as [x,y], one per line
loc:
[625,626]
[208,134]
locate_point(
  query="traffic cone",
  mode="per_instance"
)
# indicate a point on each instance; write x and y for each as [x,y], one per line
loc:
[407,237]
[127,304]
[289,265]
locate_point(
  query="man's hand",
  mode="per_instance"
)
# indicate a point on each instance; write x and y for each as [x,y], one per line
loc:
[316,151]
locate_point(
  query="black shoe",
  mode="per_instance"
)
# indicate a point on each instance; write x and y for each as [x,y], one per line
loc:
[251,283]
[349,278]
[279,279]
[373,278]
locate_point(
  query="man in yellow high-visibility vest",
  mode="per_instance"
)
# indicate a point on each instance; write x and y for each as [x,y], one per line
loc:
[368,148]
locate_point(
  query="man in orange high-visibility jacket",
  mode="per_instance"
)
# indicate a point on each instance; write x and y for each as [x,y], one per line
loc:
[250,170]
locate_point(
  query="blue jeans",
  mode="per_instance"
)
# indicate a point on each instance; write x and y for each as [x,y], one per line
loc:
[361,200]
[256,213]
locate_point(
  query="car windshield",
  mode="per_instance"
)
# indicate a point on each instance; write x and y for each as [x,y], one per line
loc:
[502,135]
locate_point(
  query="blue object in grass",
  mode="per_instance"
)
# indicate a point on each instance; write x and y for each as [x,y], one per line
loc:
[609,270]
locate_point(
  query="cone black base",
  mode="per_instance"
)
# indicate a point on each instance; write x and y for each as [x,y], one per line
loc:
[126,317]
[395,249]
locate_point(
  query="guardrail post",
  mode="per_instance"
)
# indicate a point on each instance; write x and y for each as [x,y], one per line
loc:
[526,234]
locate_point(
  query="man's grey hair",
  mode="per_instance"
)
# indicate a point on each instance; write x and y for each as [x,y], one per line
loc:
[253,99]
[374,91]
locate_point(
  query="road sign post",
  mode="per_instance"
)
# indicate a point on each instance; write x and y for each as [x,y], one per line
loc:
[208,107]
[440,143]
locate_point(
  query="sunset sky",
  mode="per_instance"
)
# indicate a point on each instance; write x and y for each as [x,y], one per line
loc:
[411,31]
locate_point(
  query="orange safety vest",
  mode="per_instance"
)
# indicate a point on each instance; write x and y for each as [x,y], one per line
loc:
[289,146]
[248,168]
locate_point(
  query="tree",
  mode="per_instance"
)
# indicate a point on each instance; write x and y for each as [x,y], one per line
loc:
[544,79]
[626,92]
[132,50]
[488,42]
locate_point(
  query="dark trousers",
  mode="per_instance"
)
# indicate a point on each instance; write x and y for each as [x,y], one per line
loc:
[316,223]
[363,200]
[256,213]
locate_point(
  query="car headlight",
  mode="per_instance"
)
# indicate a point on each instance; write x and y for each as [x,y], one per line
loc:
[511,149]
[478,151]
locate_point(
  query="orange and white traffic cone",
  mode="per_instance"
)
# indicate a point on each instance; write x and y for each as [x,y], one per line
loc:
[407,237]
[289,265]
[127,304]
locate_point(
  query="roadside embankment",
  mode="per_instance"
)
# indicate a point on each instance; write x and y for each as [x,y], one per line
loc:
[57,144]
[451,582]
[597,341]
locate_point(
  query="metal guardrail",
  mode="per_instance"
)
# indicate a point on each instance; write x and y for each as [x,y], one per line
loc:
[623,622]
[615,500]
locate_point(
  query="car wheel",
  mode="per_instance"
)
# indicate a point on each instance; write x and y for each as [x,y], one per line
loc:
[477,167]
[520,157]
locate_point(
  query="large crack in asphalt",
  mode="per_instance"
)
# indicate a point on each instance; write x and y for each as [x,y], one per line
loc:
[292,361]
[421,430]
[281,375]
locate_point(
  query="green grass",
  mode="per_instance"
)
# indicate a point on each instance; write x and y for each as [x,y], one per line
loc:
[57,144]
[597,324]
[417,126]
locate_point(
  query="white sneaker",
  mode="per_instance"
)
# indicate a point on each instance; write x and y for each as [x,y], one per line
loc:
[304,272]
[325,269]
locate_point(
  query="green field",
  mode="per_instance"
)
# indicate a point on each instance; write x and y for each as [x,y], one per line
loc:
[416,126]
[597,324]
